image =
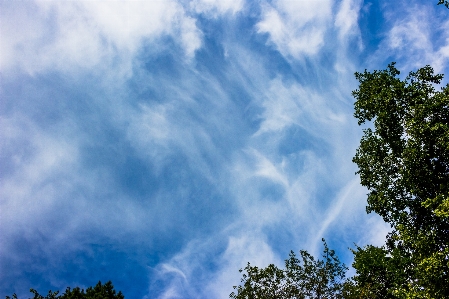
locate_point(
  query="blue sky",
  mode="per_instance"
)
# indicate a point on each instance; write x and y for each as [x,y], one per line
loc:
[164,144]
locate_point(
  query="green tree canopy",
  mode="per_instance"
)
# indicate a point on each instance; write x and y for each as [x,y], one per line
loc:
[403,160]
[100,291]
[302,278]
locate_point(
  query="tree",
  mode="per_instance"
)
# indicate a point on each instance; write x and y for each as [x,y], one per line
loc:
[379,273]
[403,160]
[301,278]
[105,291]
[445,2]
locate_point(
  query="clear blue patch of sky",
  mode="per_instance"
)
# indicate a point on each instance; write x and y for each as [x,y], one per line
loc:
[97,262]
[295,139]
[372,26]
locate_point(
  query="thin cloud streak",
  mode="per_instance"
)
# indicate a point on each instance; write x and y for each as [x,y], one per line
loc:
[296,28]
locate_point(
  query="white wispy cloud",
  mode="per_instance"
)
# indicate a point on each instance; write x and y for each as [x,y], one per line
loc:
[89,34]
[214,8]
[346,19]
[296,28]
[295,105]
[187,274]
[414,37]
[41,158]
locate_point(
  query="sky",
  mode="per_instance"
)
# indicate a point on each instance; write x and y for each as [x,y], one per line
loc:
[162,145]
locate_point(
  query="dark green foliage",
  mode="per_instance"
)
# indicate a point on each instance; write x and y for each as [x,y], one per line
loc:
[105,291]
[404,162]
[445,2]
[301,278]
[379,273]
